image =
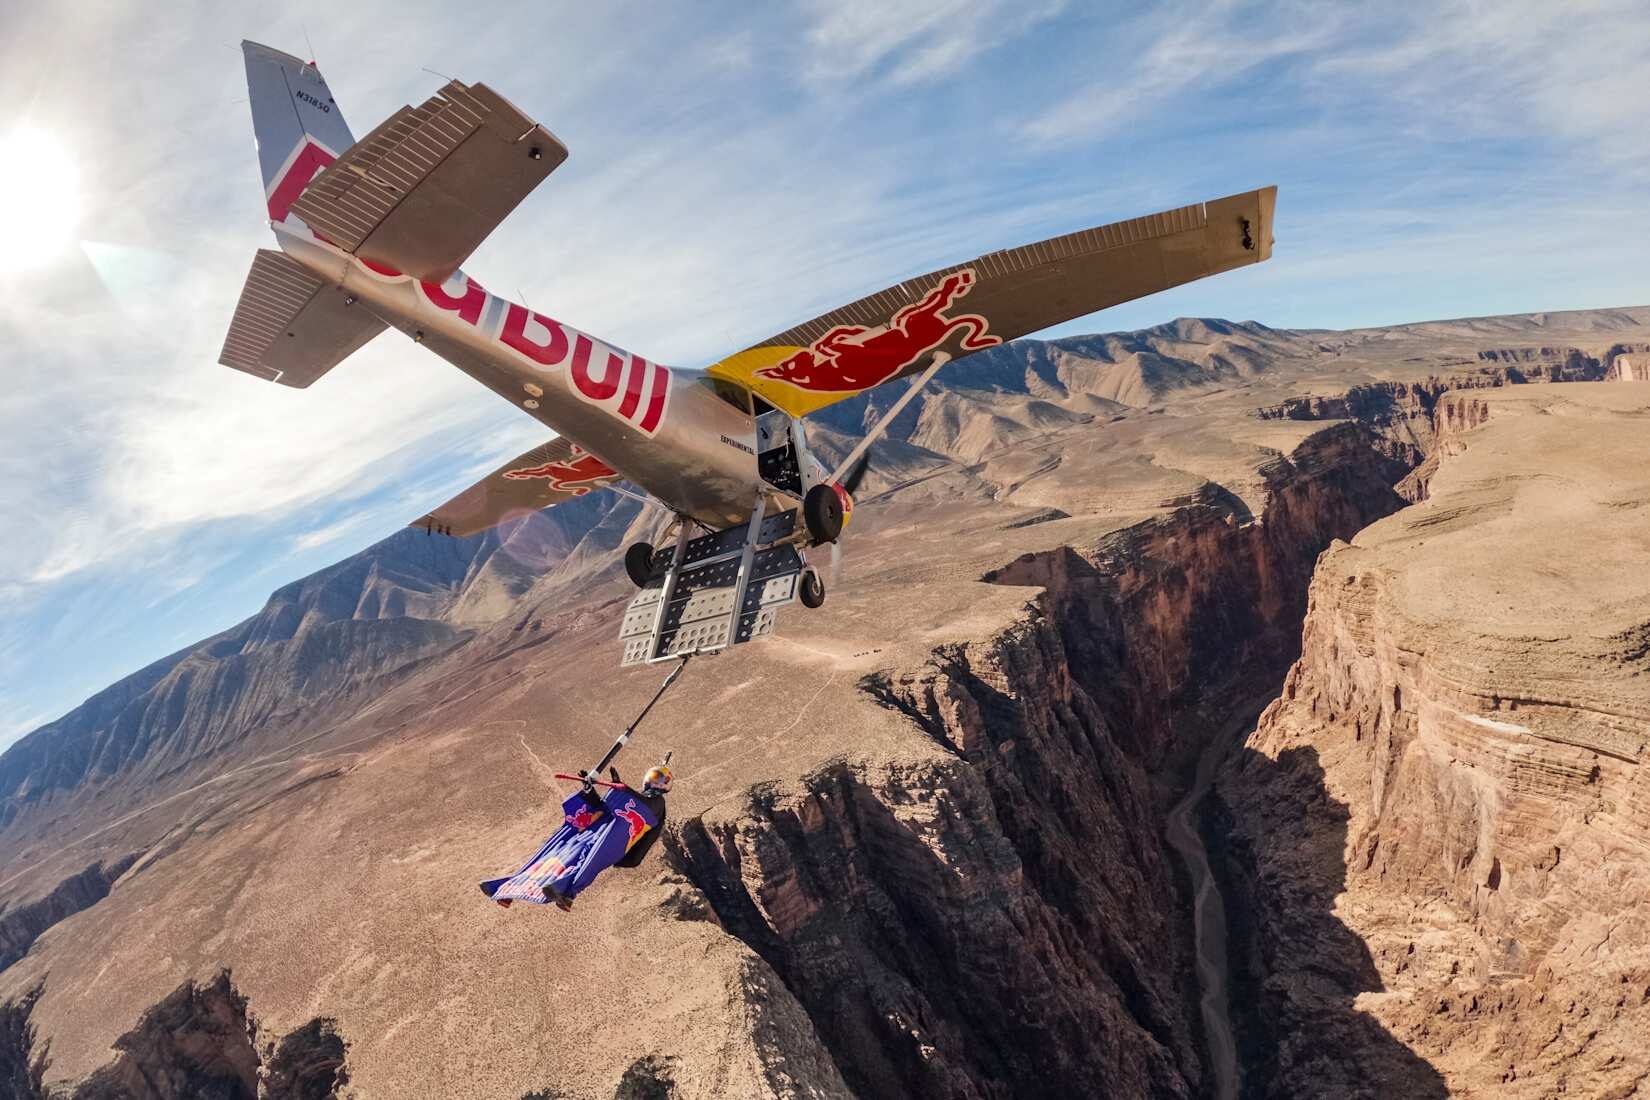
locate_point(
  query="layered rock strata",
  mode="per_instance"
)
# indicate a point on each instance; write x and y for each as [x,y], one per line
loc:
[1007,915]
[1439,836]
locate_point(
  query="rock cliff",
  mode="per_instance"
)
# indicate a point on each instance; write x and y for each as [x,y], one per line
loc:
[21,925]
[973,927]
[199,1041]
[1439,831]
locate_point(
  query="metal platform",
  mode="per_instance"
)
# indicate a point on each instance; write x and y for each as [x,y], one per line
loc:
[721,589]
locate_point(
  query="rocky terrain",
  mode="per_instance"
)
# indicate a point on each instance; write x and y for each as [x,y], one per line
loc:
[918,843]
[1467,724]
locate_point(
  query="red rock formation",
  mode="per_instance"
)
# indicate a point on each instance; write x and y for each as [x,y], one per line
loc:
[980,925]
[200,1041]
[1441,825]
[1630,368]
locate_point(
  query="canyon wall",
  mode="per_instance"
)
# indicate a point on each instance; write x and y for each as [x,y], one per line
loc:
[1440,830]
[21,925]
[1405,414]
[200,1041]
[1010,915]
[918,845]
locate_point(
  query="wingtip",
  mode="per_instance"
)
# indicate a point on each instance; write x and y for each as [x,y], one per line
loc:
[1268,199]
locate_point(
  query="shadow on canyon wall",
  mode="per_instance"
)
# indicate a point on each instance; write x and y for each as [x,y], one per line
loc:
[1296,969]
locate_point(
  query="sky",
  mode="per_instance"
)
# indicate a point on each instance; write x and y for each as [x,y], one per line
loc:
[735,169]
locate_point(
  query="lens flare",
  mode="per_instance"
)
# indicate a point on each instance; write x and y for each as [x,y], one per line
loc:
[39,198]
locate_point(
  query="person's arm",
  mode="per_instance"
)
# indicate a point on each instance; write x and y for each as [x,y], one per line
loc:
[593,800]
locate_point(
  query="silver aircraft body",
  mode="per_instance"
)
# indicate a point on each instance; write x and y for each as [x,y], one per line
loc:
[663,430]
[372,234]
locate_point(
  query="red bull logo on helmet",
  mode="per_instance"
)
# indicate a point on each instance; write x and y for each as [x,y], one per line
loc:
[850,358]
[578,473]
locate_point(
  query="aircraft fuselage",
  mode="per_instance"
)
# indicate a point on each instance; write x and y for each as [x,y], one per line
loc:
[666,430]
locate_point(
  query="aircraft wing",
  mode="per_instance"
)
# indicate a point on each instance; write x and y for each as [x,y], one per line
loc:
[290,327]
[548,474]
[421,192]
[997,297]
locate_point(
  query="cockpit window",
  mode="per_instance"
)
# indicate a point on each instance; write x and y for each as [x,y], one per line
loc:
[735,395]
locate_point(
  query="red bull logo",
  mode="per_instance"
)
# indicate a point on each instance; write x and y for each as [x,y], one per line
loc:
[847,500]
[851,358]
[578,473]
[632,817]
[582,818]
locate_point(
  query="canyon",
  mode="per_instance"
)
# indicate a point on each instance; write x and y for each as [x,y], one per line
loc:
[941,837]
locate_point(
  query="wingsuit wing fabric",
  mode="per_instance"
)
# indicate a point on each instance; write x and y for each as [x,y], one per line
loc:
[587,844]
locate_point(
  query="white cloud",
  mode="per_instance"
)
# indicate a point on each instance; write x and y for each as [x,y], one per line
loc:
[1522,67]
[1459,68]
[910,43]
[1185,47]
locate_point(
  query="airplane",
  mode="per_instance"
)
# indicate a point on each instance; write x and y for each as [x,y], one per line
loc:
[372,234]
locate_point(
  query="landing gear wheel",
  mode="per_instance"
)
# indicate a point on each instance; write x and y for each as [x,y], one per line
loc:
[812,589]
[822,512]
[638,562]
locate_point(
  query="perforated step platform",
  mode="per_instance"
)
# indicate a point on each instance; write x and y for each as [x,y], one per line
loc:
[704,604]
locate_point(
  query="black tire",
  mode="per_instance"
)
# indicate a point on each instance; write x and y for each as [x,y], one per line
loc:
[822,512]
[812,589]
[638,562]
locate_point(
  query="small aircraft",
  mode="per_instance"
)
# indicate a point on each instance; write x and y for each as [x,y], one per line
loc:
[371,236]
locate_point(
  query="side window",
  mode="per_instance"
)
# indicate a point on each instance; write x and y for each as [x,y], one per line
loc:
[737,396]
[773,429]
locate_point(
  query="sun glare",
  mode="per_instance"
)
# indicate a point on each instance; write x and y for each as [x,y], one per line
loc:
[39,198]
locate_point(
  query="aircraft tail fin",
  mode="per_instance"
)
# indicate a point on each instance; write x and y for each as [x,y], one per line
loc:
[300,130]
[289,326]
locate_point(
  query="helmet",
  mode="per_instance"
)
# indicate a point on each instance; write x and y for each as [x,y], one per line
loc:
[658,779]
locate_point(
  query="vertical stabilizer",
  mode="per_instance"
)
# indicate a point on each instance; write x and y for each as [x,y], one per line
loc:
[290,326]
[299,128]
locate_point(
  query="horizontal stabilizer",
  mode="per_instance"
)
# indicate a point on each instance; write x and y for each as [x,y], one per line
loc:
[423,190]
[290,327]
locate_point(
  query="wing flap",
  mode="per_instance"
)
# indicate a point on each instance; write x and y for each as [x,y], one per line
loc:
[549,474]
[290,327]
[424,189]
[1000,296]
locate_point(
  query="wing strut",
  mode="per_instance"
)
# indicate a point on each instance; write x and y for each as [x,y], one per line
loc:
[941,358]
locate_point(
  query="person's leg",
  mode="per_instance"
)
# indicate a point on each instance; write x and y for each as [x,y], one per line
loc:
[573,854]
[604,854]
